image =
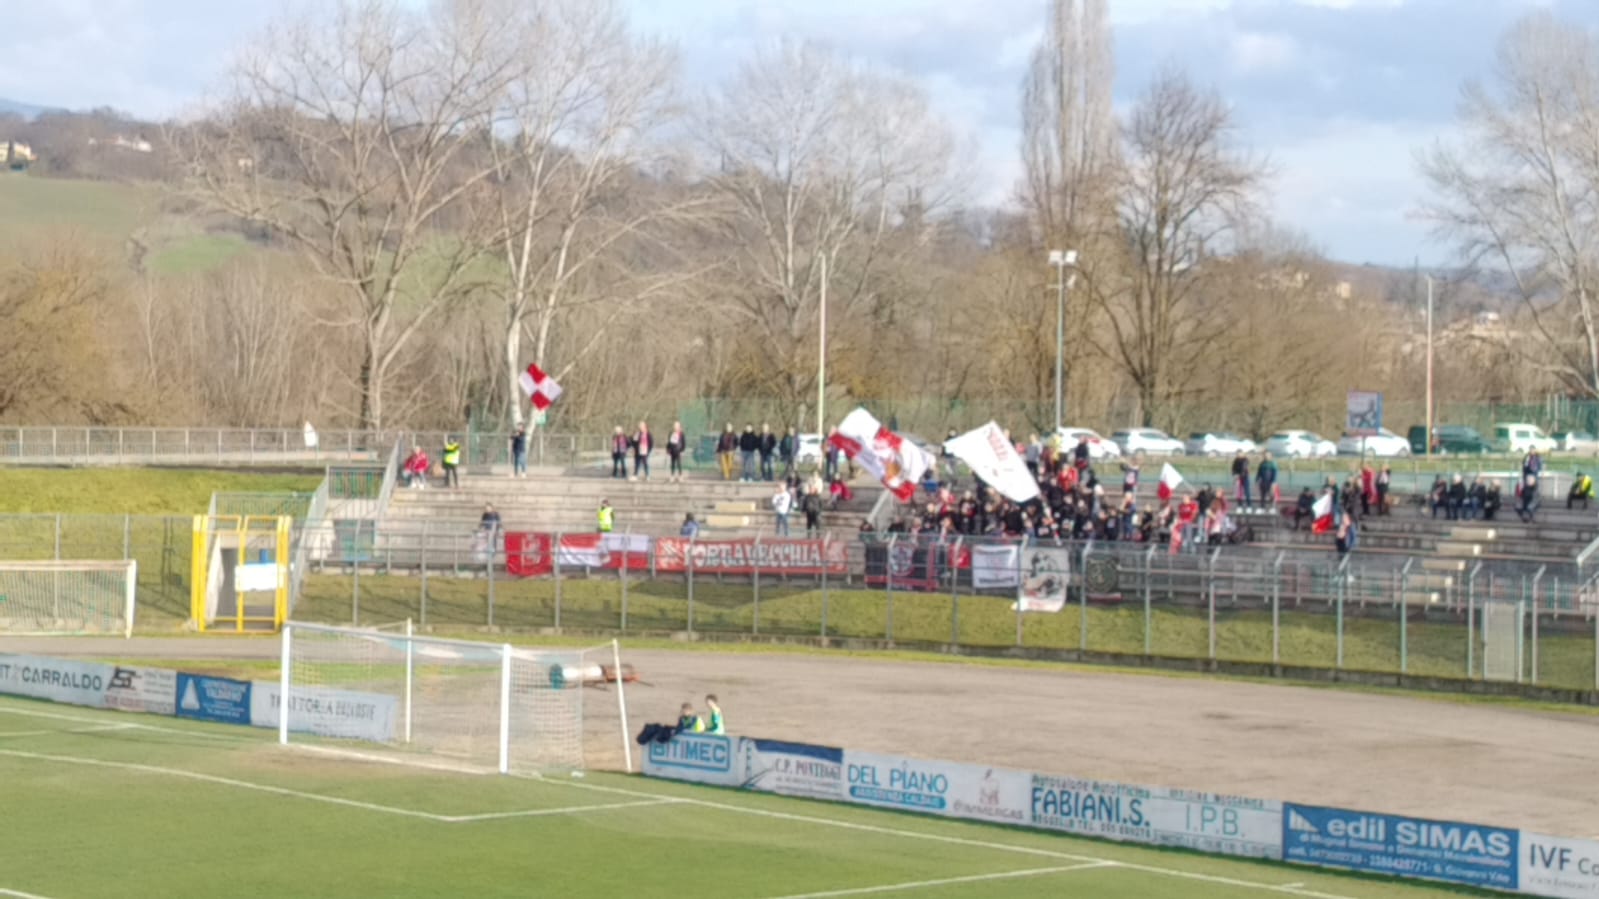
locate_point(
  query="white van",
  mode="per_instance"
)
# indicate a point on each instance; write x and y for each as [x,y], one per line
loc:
[1520,438]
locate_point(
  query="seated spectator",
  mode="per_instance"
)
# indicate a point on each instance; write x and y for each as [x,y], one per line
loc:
[691,528]
[1304,508]
[1527,499]
[1491,502]
[1581,491]
[417,466]
[1457,498]
[490,520]
[840,492]
[689,721]
[1439,496]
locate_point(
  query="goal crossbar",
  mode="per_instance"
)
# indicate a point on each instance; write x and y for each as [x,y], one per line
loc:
[68,596]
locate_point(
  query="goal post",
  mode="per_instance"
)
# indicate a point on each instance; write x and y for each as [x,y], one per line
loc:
[482,705]
[1503,627]
[69,597]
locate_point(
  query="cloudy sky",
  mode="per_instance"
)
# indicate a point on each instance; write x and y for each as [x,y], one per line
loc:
[1338,94]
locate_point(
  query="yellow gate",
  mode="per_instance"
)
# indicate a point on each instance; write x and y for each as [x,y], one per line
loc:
[240,576]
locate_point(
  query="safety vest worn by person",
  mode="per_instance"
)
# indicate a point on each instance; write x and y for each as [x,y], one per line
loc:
[717,726]
[1584,487]
[452,454]
[607,519]
[690,724]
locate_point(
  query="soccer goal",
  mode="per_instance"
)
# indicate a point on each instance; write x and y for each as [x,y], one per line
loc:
[1503,624]
[484,705]
[68,597]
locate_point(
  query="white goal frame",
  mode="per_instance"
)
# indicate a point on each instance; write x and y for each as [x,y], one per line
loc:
[509,659]
[64,607]
[1503,639]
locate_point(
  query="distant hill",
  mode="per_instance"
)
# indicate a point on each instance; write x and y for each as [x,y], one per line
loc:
[18,108]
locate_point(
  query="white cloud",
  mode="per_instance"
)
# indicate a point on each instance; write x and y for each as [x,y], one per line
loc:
[1254,52]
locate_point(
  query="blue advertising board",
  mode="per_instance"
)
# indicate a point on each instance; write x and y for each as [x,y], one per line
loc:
[217,699]
[1469,854]
[699,758]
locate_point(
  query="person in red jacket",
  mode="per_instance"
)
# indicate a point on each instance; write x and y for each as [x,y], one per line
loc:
[416,468]
[618,453]
[643,444]
[1187,516]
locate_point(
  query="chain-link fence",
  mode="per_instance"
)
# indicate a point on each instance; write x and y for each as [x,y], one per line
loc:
[162,545]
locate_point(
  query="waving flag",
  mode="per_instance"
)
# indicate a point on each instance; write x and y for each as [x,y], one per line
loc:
[540,387]
[1170,480]
[1323,512]
[898,463]
[992,458]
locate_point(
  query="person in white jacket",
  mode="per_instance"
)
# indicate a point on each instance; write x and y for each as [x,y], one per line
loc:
[782,504]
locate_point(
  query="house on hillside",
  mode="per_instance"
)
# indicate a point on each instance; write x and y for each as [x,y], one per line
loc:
[16,156]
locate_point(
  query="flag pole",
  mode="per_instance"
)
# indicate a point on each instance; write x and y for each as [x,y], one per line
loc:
[821,360]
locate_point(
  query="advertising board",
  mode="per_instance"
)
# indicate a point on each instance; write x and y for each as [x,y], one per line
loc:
[696,758]
[344,714]
[150,690]
[58,680]
[745,556]
[219,699]
[939,788]
[792,769]
[1559,867]
[1470,854]
[995,565]
[1158,816]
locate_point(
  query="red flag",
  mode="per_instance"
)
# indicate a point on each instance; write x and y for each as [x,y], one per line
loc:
[1169,481]
[1323,512]
[540,387]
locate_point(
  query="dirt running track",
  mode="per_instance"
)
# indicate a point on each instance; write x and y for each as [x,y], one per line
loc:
[1491,764]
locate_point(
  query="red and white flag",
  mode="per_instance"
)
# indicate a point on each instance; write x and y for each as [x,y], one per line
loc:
[540,387]
[898,463]
[1170,480]
[1322,513]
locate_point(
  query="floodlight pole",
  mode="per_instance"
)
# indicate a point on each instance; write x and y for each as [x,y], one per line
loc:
[821,360]
[1429,366]
[1061,260]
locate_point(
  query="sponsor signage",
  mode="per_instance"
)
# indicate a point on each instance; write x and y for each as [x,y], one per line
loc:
[219,699]
[940,788]
[1470,854]
[1363,413]
[344,714]
[792,769]
[58,680]
[1044,573]
[151,690]
[1559,867]
[677,554]
[697,758]
[1203,822]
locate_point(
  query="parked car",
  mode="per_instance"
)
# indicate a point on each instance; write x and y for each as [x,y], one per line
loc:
[1218,444]
[1514,437]
[1384,444]
[809,451]
[1581,442]
[1098,447]
[1448,440]
[1148,441]
[1300,445]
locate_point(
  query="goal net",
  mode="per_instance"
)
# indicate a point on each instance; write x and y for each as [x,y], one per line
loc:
[1502,625]
[68,597]
[483,705]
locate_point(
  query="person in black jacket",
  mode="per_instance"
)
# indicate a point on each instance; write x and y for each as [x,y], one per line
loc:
[786,448]
[766,447]
[1457,498]
[1440,496]
[1304,508]
[747,445]
[811,505]
[1241,476]
[1491,501]
[726,446]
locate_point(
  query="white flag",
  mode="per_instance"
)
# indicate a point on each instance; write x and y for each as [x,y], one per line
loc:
[540,387]
[1169,481]
[898,463]
[991,457]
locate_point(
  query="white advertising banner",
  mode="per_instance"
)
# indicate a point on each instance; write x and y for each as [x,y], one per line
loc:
[992,457]
[1559,867]
[940,788]
[344,714]
[792,769]
[995,566]
[1158,816]
[150,690]
[58,680]
[696,758]
[1044,573]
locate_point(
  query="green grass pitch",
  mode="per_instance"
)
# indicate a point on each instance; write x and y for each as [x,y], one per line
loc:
[108,804]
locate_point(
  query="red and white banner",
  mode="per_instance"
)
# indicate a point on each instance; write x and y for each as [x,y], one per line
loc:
[540,387]
[1170,480]
[531,555]
[1323,514]
[898,463]
[745,556]
[992,457]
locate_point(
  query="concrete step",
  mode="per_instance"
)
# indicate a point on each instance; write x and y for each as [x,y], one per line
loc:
[1430,581]
[1457,566]
[736,508]
[1420,598]
[727,522]
[1451,548]
[1469,534]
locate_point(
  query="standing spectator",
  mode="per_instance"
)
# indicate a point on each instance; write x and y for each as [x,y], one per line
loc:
[786,448]
[643,443]
[811,505]
[830,457]
[1266,481]
[606,517]
[1129,514]
[1532,464]
[417,466]
[1527,496]
[747,445]
[782,503]
[945,456]
[676,442]
[1033,452]
[1368,488]
[1476,499]
[1185,527]
[1080,455]
[519,453]
[618,453]
[1241,477]
[490,520]
[1457,498]
[726,447]
[1129,477]
[767,448]
[1344,537]
[1385,479]
[452,462]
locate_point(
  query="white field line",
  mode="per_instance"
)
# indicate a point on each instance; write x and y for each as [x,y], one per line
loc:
[52,716]
[355,755]
[18,894]
[568,810]
[70,730]
[963,841]
[950,881]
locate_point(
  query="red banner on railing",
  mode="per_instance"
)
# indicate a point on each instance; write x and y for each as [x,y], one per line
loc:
[529,555]
[745,556]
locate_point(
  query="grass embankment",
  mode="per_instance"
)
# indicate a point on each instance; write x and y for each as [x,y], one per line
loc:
[1435,647]
[132,491]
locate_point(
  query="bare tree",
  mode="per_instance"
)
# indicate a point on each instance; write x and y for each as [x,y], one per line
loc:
[1182,189]
[1521,194]
[351,134]
[822,163]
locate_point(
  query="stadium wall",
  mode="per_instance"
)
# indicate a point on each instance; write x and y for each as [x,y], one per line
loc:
[1481,856]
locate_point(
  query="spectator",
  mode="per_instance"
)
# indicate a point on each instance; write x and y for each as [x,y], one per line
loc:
[1384,483]
[1185,527]
[717,725]
[830,457]
[1476,498]
[618,453]
[782,502]
[1457,498]
[690,528]
[747,446]
[607,517]
[767,447]
[1241,477]
[1491,502]
[643,444]
[1305,508]
[1344,537]
[1368,488]
[811,505]
[1527,497]
[838,491]
[416,468]
[490,520]
[452,462]
[1581,491]
[1439,496]
[726,446]
[1080,454]
[519,453]
[1206,496]
[688,721]
[1532,464]
[1266,481]
[1129,514]
[1033,452]
[786,448]
[676,442]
